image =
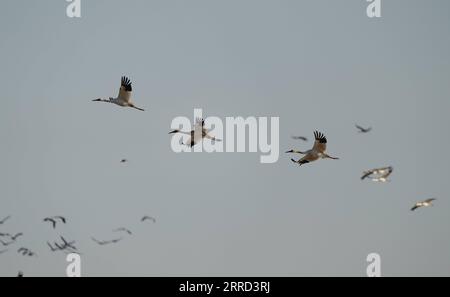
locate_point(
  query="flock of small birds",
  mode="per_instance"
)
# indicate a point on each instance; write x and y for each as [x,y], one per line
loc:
[62,244]
[198,134]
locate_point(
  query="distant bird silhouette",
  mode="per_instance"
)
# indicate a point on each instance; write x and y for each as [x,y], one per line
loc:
[299,138]
[145,218]
[54,220]
[106,242]
[123,161]
[4,220]
[378,174]
[14,237]
[26,252]
[316,153]
[65,246]
[20,274]
[425,203]
[122,229]
[363,130]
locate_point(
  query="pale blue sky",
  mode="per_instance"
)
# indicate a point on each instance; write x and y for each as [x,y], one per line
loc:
[316,64]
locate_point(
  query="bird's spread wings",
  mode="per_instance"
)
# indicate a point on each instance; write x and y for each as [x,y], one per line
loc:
[378,173]
[430,200]
[320,144]
[125,89]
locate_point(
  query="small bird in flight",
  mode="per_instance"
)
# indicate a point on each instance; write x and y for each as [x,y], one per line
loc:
[54,220]
[4,220]
[363,130]
[124,97]
[14,237]
[123,161]
[26,252]
[145,218]
[425,203]
[106,242]
[299,138]
[316,153]
[122,229]
[53,249]
[378,174]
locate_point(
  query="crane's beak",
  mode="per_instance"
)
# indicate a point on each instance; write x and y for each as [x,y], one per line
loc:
[174,131]
[97,99]
[291,151]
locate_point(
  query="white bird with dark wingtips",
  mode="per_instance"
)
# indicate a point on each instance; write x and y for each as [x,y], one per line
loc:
[197,134]
[124,97]
[378,174]
[425,203]
[316,153]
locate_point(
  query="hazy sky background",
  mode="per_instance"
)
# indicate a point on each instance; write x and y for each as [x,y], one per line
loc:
[316,64]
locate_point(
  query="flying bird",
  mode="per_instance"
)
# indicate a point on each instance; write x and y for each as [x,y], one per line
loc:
[67,244]
[106,242]
[26,252]
[67,247]
[14,237]
[123,161]
[54,220]
[363,130]
[299,138]
[425,203]
[316,153]
[197,134]
[378,174]
[122,229]
[124,97]
[145,218]
[4,220]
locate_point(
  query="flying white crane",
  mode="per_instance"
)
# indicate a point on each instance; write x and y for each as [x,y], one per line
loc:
[378,174]
[317,152]
[124,97]
[425,203]
[197,134]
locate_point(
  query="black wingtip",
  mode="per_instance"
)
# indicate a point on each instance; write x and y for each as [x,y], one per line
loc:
[126,83]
